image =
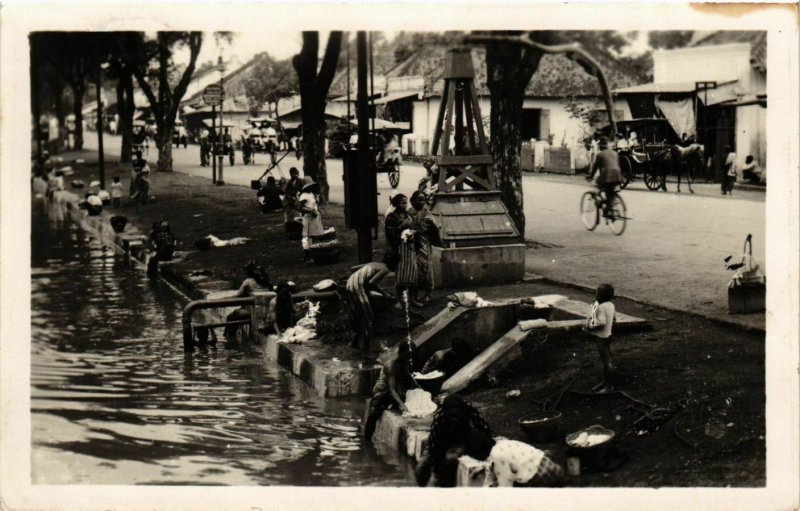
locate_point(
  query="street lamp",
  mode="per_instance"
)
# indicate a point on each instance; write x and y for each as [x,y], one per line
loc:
[220,141]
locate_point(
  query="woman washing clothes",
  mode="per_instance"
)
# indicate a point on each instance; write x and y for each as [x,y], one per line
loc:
[307,204]
[361,286]
[281,308]
[458,429]
[390,389]
[256,280]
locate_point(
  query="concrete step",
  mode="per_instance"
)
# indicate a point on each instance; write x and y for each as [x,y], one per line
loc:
[348,374]
[406,435]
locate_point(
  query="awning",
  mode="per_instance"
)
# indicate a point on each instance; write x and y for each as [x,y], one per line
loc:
[658,88]
[380,124]
[680,115]
[395,96]
[671,88]
[724,93]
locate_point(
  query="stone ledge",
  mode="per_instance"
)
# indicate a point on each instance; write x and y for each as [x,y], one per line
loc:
[326,376]
[406,435]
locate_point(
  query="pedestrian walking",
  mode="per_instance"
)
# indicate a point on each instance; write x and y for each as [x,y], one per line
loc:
[728,171]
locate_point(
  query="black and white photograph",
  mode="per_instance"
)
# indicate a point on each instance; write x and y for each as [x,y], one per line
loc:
[315,248]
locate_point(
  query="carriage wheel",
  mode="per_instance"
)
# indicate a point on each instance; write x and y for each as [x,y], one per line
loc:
[619,216]
[627,170]
[652,178]
[394,175]
[589,213]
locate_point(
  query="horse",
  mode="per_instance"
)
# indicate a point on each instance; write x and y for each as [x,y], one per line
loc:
[677,157]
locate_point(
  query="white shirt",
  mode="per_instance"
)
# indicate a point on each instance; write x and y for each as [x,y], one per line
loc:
[731,160]
[601,314]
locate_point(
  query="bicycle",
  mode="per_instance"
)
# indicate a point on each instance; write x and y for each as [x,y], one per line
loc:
[593,202]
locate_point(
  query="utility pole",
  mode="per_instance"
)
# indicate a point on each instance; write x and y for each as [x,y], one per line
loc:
[101,158]
[220,141]
[214,144]
[365,160]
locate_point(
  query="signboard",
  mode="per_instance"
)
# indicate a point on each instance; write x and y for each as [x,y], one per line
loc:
[214,94]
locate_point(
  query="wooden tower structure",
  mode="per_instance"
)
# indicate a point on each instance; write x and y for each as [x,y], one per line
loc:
[480,242]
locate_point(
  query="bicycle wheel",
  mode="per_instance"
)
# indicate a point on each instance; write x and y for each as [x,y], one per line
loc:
[619,216]
[589,213]
[394,175]
[627,170]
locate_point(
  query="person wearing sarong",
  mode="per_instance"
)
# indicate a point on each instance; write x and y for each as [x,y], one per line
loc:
[396,220]
[407,269]
[426,235]
[390,389]
[363,283]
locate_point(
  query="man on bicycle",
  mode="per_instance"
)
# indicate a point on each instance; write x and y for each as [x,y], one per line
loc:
[606,164]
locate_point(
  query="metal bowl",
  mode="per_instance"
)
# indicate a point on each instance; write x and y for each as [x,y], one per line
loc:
[541,428]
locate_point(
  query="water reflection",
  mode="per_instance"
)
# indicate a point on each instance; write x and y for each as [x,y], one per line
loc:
[115,401]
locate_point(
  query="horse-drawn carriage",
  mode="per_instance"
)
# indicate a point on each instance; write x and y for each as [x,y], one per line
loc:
[262,137]
[386,147]
[655,152]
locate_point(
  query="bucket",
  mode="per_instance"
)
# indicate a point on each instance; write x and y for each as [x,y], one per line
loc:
[541,428]
[118,223]
[325,253]
[594,454]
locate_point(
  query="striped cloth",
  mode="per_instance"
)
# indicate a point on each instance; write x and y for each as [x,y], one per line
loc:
[359,298]
[407,273]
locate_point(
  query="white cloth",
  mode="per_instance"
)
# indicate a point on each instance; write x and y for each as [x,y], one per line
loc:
[312,223]
[601,314]
[116,190]
[419,403]
[216,242]
[94,200]
[512,462]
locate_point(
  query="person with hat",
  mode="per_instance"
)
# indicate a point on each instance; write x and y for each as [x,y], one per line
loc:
[609,174]
[312,222]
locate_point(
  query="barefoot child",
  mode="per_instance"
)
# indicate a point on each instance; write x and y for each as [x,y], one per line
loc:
[599,324]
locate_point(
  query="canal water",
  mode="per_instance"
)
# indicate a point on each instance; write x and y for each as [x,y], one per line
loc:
[114,400]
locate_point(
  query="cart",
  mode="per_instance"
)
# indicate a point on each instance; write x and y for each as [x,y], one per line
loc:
[386,147]
[649,160]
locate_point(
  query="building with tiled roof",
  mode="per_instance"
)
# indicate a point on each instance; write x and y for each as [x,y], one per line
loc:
[714,88]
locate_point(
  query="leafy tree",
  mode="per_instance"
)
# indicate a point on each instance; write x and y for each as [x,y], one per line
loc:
[315,81]
[73,55]
[511,60]
[270,81]
[152,64]
[668,39]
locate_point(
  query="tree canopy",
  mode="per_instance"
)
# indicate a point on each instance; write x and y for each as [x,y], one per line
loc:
[270,81]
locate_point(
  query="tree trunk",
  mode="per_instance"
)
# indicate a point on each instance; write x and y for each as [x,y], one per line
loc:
[163,140]
[314,87]
[125,110]
[77,107]
[507,97]
[314,145]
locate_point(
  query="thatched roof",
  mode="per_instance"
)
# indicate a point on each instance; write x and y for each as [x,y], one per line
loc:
[556,77]
[756,38]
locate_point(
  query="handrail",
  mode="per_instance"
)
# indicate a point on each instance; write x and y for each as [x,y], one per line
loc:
[188,339]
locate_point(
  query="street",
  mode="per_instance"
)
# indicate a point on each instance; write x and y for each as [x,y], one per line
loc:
[671,254]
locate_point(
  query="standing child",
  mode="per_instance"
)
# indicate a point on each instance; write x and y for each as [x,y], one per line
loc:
[729,171]
[599,324]
[116,192]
